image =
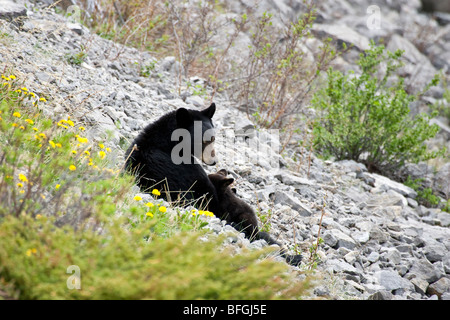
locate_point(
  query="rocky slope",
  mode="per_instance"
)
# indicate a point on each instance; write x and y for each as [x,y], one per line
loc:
[379,243]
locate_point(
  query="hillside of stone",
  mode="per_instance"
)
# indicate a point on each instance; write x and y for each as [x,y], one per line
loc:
[378,241]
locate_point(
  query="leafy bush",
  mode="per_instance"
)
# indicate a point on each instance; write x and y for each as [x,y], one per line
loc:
[276,78]
[366,117]
[62,209]
[425,196]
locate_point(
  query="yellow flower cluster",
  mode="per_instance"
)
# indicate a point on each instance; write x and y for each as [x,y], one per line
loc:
[30,252]
[22,92]
[23,180]
[150,205]
[202,213]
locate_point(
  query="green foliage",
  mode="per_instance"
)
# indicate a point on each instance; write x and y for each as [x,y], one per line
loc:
[35,255]
[367,120]
[77,58]
[61,206]
[276,78]
[425,196]
[446,207]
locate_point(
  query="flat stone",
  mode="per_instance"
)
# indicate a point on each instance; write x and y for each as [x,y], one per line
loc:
[391,280]
[291,201]
[341,34]
[382,182]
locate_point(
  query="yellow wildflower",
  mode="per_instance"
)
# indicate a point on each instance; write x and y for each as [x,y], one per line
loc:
[59,145]
[72,167]
[137,198]
[42,99]
[101,146]
[23,178]
[29,121]
[38,216]
[24,89]
[81,128]
[57,186]
[17,114]
[20,185]
[52,144]
[12,77]
[149,214]
[156,192]
[82,140]
[149,204]
[162,209]
[102,154]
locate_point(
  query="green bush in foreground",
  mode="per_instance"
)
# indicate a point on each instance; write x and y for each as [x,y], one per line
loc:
[66,219]
[367,120]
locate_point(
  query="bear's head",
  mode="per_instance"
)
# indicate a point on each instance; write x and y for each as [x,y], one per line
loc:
[221,182]
[201,132]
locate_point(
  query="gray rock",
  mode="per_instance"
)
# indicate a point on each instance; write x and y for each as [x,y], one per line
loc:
[342,240]
[420,285]
[341,266]
[435,252]
[352,166]
[293,202]
[292,180]
[442,180]
[386,184]
[446,262]
[390,280]
[380,295]
[422,268]
[361,236]
[10,10]
[373,256]
[341,34]
[439,287]
[329,239]
[392,255]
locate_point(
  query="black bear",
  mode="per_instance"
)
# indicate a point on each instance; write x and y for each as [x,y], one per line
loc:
[160,160]
[240,215]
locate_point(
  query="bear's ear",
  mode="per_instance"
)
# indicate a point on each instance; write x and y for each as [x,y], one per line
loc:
[184,118]
[223,172]
[234,190]
[227,182]
[209,112]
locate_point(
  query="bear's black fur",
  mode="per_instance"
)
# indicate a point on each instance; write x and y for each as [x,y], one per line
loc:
[150,158]
[240,215]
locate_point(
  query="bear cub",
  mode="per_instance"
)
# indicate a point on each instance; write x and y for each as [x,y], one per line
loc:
[241,216]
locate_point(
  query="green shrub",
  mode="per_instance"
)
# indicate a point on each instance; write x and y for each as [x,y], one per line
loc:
[425,196]
[366,119]
[63,210]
